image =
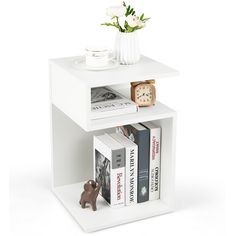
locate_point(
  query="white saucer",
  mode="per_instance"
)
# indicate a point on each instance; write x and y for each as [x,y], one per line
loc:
[80,64]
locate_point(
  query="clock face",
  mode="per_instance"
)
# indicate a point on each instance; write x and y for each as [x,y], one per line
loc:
[144,94]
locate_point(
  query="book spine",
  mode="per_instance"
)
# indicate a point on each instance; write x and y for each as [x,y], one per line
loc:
[118,177]
[131,175]
[143,165]
[111,106]
[155,164]
[98,114]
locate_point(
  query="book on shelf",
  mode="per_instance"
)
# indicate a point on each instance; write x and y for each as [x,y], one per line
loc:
[131,167]
[141,136]
[106,102]
[109,169]
[155,160]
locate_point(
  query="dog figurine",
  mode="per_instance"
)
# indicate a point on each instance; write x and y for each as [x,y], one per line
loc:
[90,193]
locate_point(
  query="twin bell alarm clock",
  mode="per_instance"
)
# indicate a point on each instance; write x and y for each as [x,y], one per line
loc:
[143,93]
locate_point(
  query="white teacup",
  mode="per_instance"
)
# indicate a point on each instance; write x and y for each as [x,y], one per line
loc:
[97,57]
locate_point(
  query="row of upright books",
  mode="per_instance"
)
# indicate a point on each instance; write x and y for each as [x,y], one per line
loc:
[127,164]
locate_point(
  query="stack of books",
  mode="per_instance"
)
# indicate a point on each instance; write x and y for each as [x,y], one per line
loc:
[127,164]
[106,102]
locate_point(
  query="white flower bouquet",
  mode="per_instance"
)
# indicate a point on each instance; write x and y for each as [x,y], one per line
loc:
[132,22]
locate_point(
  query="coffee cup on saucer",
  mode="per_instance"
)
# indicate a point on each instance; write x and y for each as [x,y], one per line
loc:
[97,57]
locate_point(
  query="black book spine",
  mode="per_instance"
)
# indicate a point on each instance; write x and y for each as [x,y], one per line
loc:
[142,139]
[143,142]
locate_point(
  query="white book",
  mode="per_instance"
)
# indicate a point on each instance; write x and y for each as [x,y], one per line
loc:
[106,102]
[131,168]
[109,169]
[155,160]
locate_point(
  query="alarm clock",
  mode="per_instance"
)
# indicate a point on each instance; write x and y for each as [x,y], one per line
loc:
[143,93]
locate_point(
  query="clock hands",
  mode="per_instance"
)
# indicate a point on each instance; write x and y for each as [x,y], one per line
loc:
[141,95]
[147,94]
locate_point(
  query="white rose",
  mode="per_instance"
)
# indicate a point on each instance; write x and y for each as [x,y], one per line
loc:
[116,11]
[140,23]
[132,20]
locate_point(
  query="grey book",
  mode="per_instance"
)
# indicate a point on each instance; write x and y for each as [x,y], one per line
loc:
[141,136]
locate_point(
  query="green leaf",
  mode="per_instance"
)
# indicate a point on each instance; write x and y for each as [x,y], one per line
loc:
[137,28]
[131,10]
[107,24]
[142,16]
[131,29]
[124,4]
[128,29]
[133,13]
[110,24]
[127,11]
[126,24]
[146,19]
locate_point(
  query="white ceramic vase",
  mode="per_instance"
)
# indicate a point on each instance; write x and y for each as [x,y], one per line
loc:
[127,48]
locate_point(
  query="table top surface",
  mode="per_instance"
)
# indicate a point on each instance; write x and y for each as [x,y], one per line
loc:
[146,68]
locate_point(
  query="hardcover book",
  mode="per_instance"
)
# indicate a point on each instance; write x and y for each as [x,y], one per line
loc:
[106,102]
[131,167]
[155,160]
[140,135]
[109,169]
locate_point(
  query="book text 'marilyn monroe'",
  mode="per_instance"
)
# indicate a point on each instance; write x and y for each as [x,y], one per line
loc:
[131,167]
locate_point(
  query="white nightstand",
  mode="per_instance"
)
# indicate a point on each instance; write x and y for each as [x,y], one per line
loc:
[73,130]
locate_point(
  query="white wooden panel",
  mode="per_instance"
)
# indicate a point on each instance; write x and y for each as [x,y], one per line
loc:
[73,164]
[70,94]
[72,146]
[159,111]
[72,150]
[146,68]
[105,216]
[167,185]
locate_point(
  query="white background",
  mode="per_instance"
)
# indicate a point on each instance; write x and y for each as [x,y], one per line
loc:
[196,37]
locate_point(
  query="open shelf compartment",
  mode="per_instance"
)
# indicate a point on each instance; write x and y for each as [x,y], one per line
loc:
[73,165]
[71,89]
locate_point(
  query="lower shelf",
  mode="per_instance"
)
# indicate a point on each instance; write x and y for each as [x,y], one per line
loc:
[105,216]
